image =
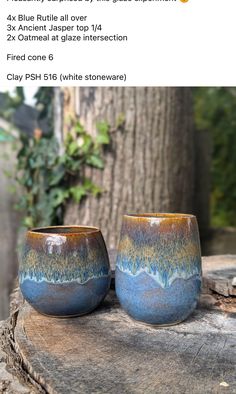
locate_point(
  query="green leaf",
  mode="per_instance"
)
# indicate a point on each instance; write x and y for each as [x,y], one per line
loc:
[102,137]
[96,190]
[73,148]
[35,189]
[78,192]
[87,143]
[57,176]
[88,184]
[120,120]
[28,222]
[95,161]
[79,129]
[91,187]
[103,127]
[36,162]
[58,196]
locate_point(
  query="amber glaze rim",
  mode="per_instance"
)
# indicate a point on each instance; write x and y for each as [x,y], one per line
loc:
[151,216]
[83,230]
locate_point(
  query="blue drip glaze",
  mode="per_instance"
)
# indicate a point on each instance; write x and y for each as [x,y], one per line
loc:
[145,300]
[65,299]
[161,270]
[81,275]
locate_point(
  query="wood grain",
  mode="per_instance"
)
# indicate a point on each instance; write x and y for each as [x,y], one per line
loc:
[108,352]
[9,383]
[9,224]
[219,273]
[149,163]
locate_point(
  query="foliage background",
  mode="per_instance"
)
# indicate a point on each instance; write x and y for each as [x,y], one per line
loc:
[215,111]
[48,181]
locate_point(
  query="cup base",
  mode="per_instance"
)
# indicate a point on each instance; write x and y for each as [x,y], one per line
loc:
[156,325]
[65,299]
[64,316]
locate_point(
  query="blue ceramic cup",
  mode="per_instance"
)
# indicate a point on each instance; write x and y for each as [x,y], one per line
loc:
[64,271]
[158,268]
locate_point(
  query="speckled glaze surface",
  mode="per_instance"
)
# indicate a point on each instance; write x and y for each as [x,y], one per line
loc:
[158,268]
[64,271]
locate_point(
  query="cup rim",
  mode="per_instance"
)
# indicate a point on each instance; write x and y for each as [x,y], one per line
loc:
[159,215]
[70,230]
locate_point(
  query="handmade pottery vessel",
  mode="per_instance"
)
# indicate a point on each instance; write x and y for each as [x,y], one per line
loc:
[158,268]
[64,271]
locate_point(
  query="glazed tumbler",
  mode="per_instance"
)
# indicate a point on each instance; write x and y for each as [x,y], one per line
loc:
[64,271]
[158,268]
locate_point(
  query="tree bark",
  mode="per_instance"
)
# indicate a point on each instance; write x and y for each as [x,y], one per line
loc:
[9,224]
[58,118]
[149,165]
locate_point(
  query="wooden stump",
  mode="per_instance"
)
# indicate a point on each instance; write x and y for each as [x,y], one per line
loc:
[219,274]
[108,352]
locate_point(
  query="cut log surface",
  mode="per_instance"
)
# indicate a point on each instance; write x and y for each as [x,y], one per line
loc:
[9,383]
[108,352]
[219,274]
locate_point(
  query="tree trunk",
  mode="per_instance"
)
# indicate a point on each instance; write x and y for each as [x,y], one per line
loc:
[9,224]
[149,165]
[58,118]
